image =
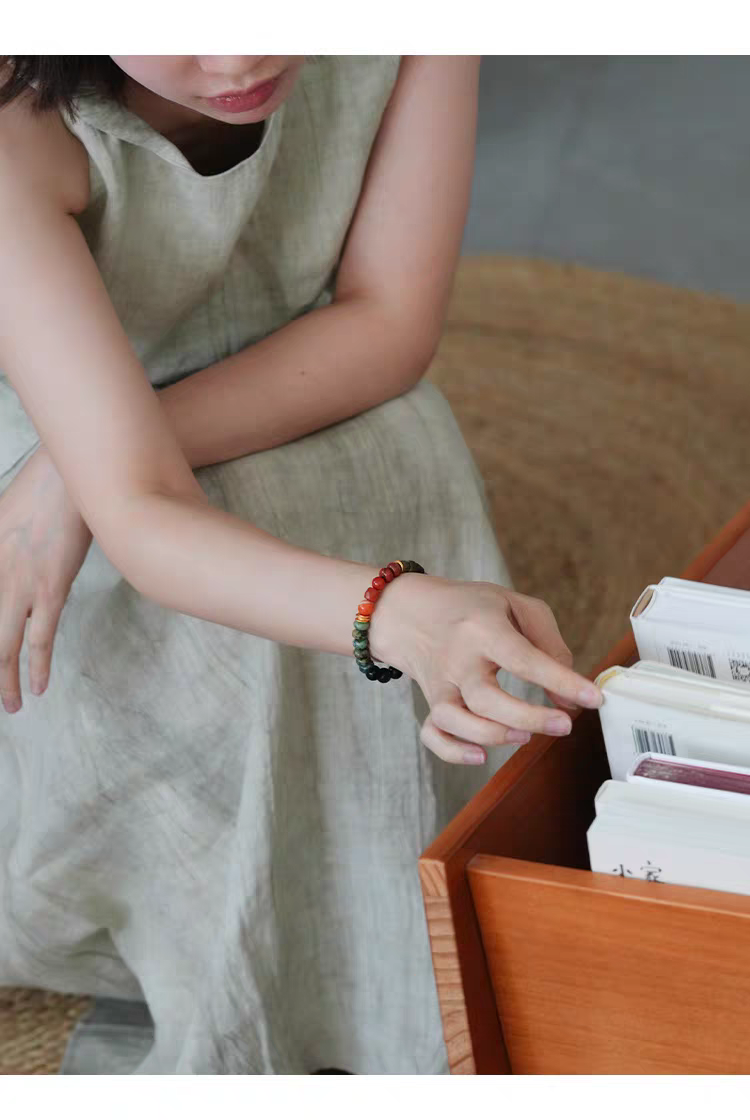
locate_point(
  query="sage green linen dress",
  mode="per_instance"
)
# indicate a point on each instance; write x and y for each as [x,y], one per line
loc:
[223,826]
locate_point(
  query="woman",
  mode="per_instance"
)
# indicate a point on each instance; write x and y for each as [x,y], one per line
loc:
[240,265]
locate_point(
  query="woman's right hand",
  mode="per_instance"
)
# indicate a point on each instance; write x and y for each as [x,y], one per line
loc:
[43,543]
[451,637]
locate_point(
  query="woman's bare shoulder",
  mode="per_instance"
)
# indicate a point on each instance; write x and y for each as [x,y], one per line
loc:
[38,153]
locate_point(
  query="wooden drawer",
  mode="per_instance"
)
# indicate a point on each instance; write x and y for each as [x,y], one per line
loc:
[543,966]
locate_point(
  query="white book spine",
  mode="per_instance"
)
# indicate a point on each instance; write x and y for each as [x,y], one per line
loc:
[664,861]
[632,727]
[711,653]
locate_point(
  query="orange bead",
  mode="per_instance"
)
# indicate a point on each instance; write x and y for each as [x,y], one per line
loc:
[378,583]
[372,594]
[366,608]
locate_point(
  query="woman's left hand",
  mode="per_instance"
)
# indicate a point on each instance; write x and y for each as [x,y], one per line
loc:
[43,543]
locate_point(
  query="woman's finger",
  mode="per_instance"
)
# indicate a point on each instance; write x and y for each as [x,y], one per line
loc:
[448,748]
[536,620]
[483,696]
[13,617]
[45,616]
[449,713]
[445,745]
[561,702]
[514,652]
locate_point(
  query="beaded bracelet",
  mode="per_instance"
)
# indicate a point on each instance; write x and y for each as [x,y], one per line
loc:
[360,633]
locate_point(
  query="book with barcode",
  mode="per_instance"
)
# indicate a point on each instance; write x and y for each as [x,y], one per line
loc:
[654,708]
[672,832]
[699,627]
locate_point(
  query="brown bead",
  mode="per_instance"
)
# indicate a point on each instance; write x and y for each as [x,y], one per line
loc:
[387,574]
[378,583]
[372,594]
[396,568]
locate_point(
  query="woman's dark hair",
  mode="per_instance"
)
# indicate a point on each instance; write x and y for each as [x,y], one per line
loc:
[57,79]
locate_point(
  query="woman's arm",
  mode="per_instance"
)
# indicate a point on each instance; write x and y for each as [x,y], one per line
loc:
[128,469]
[377,338]
[103,425]
[64,350]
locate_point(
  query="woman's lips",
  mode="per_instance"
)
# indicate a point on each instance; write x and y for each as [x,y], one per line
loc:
[243,101]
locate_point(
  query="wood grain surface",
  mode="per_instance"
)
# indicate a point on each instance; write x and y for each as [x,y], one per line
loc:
[599,975]
[533,816]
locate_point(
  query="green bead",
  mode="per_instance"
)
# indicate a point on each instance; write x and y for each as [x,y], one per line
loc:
[360,643]
[361,625]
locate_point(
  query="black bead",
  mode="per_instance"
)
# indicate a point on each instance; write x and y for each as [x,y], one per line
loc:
[395,673]
[372,673]
[384,675]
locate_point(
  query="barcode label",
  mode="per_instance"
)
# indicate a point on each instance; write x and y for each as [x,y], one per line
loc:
[702,663]
[653,742]
[740,670]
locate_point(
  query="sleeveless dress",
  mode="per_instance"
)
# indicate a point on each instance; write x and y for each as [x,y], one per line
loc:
[226,827]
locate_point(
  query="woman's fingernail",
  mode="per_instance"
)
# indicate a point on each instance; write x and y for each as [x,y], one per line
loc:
[590,696]
[12,706]
[559,725]
[474,756]
[38,687]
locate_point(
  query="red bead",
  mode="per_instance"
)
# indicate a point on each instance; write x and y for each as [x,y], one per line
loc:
[387,574]
[378,583]
[396,568]
[366,608]
[372,594]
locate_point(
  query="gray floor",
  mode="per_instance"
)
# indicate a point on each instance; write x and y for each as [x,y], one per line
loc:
[113,1038]
[639,165]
